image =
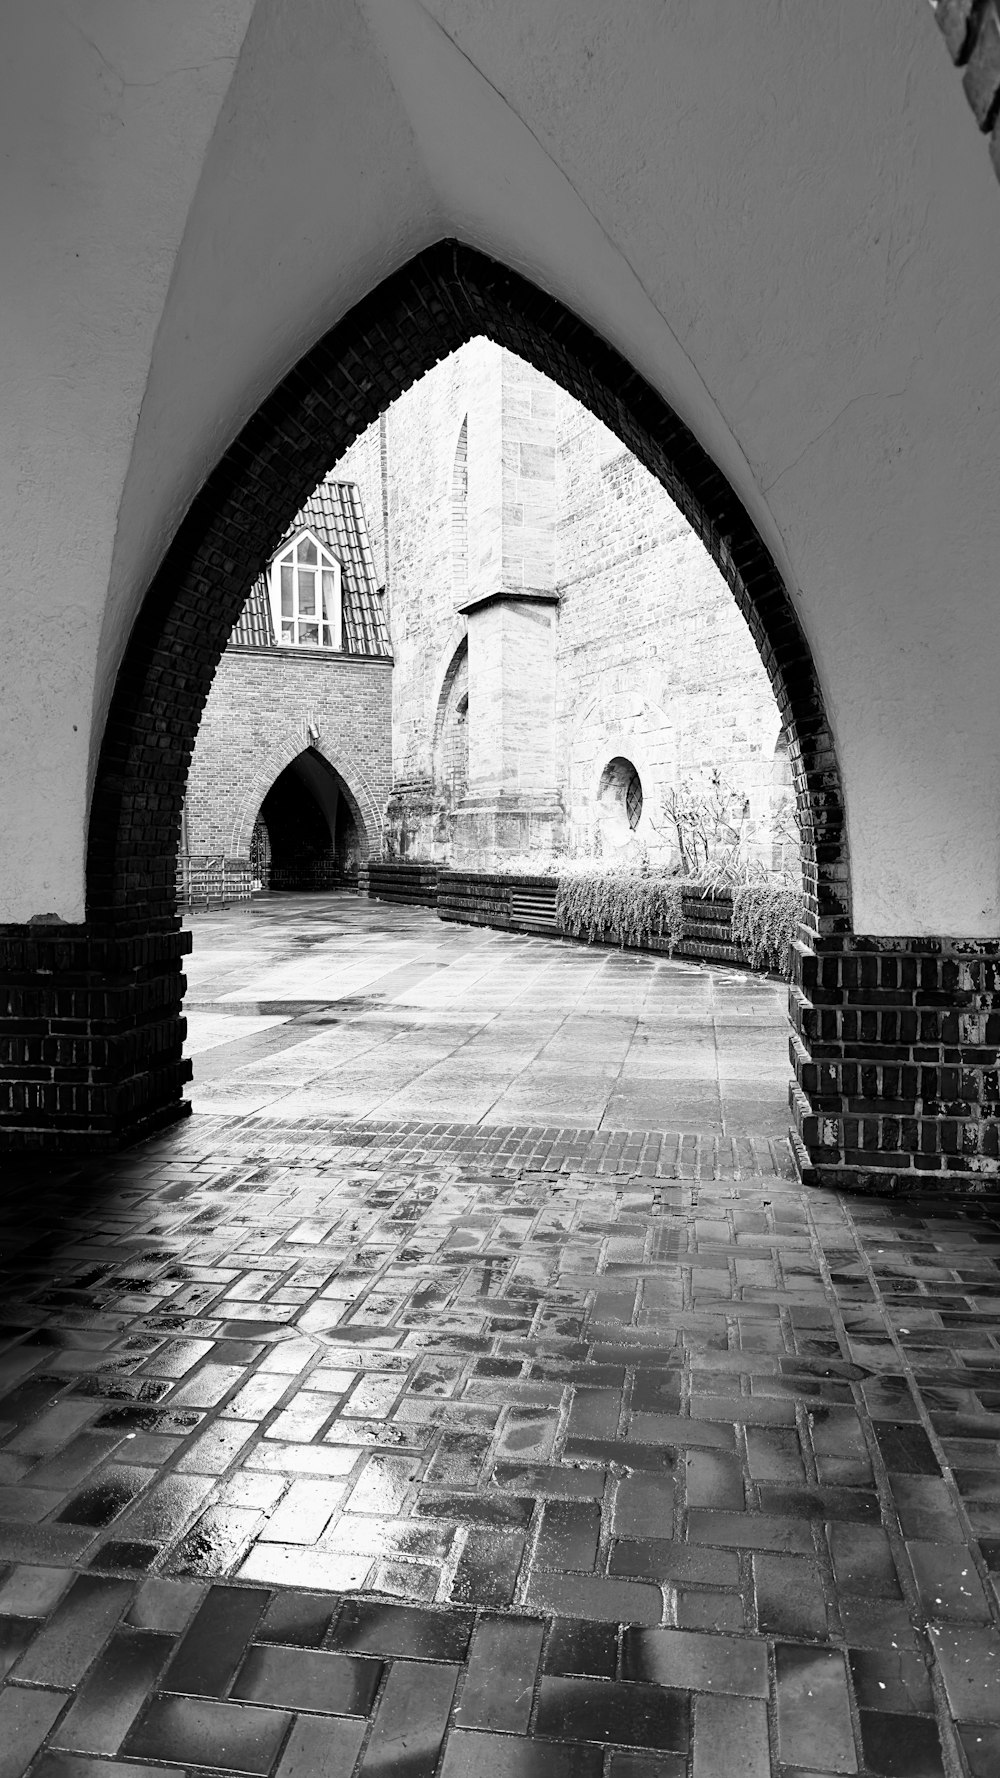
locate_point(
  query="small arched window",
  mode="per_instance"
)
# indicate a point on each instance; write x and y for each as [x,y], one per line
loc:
[306,595]
[619,801]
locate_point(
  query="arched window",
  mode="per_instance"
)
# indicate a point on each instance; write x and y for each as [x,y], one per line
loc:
[306,595]
[451,729]
[456,749]
[619,801]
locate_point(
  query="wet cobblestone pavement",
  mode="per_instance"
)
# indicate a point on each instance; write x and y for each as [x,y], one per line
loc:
[512,1452]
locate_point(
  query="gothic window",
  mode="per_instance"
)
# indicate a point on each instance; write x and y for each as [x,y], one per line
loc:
[456,745]
[451,729]
[306,595]
[633,800]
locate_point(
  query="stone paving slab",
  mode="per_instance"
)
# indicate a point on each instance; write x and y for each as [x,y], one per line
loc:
[334,1006]
[412,1449]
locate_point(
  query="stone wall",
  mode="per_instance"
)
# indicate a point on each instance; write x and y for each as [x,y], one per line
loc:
[268,707]
[654,662]
[494,482]
[426,576]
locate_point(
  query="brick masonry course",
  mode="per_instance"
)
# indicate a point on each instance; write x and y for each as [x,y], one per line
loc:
[894,1046]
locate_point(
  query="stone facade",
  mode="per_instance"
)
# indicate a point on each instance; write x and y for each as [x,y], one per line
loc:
[555,619]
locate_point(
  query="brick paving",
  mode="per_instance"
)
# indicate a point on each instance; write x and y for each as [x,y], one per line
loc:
[333,1449]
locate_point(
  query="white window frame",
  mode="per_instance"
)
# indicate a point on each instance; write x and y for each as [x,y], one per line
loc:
[333,622]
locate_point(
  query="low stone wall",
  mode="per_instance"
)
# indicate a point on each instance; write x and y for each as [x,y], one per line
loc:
[708,931]
[414,884]
[476,898]
[528,904]
[708,934]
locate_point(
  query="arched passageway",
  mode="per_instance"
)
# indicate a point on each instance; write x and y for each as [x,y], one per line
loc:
[862,450]
[442,298]
[445,296]
[315,832]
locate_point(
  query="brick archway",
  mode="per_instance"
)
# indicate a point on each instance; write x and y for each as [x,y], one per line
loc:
[124,1070]
[361,802]
[445,296]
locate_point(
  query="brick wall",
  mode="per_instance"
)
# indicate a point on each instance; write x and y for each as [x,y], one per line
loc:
[895,1050]
[258,717]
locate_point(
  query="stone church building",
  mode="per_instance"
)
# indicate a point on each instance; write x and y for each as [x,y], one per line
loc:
[569,672]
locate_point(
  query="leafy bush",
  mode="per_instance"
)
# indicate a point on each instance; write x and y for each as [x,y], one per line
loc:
[629,906]
[765,918]
[711,822]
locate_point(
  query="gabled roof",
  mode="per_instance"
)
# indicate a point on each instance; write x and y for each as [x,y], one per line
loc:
[335,513]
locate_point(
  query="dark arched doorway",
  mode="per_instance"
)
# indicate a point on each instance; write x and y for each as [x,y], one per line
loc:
[312,830]
[445,296]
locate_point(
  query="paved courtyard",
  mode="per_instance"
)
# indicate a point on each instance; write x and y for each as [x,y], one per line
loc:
[334,1007]
[470,1390]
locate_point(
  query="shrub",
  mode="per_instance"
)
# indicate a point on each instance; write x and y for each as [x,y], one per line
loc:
[710,819]
[765,918]
[629,906]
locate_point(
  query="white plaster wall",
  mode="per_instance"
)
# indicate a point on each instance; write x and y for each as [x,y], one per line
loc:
[106,110]
[798,194]
[783,216]
[312,192]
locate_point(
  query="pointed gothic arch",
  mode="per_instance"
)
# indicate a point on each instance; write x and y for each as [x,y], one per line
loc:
[284,750]
[449,777]
[447,295]
[420,314]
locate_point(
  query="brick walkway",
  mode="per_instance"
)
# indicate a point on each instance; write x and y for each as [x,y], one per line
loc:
[420,1449]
